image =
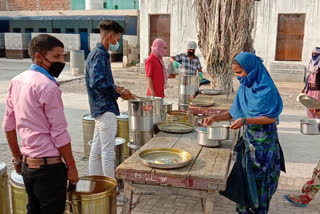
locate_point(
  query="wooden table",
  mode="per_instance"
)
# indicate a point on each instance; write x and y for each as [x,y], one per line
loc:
[222,103]
[202,178]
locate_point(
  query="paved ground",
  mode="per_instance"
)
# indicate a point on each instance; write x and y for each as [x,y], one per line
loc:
[301,152]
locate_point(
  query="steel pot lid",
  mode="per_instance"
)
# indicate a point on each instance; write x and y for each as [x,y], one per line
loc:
[16,178]
[201,129]
[309,102]
[120,141]
[3,168]
[123,116]
[87,117]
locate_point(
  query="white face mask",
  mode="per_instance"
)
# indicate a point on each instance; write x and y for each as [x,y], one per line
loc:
[114,47]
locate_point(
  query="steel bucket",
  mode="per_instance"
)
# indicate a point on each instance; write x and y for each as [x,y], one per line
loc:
[123,132]
[88,124]
[4,192]
[101,200]
[18,194]
[218,132]
[188,87]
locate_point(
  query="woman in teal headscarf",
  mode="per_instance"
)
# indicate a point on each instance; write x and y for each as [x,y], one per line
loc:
[257,105]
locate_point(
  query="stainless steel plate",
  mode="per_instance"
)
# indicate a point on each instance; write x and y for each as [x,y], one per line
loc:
[210,91]
[165,158]
[309,102]
[175,127]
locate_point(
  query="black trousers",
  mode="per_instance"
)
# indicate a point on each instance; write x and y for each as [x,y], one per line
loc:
[46,188]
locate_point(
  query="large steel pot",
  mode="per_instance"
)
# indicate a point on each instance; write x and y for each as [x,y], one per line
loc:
[19,196]
[310,126]
[203,138]
[141,120]
[188,87]
[103,199]
[4,191]
[218,132]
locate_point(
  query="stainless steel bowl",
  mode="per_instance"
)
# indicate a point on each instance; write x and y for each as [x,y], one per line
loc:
[310,126]
[218,132]
[203,138]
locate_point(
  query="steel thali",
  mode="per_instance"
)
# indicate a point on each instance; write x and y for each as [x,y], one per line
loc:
[165,158]
[309,102]
[175,127]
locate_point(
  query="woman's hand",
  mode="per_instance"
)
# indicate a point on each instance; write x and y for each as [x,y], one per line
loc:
[315,111]
[208,121]
[237,124]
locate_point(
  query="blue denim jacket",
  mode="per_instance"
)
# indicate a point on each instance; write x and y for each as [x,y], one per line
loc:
[99,82]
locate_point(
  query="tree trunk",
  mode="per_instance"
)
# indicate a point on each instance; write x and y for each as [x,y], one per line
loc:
[225,28]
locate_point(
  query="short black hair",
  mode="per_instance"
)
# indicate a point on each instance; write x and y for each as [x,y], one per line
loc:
[42,44]
[109,25]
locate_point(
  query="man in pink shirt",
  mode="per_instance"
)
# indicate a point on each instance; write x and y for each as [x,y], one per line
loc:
[34,108]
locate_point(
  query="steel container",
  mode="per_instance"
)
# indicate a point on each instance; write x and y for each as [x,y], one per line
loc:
[118,150]
[101,200]
[157,110]
[18,194]
[218,132]
[166,107]
[141,117]
[203,138]
[310,126]
[188,87]
[88,124]
[123,132]
[4,192]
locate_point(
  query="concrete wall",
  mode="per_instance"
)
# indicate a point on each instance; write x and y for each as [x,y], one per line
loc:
[70,41]
[17,41]
[130,50]
[94,39]
[183,26]
[265,33]
[19,5]
[2,41]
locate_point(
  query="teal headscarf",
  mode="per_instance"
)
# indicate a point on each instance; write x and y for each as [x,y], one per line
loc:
[257,95]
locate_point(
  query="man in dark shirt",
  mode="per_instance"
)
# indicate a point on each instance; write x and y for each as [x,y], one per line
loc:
[103,95]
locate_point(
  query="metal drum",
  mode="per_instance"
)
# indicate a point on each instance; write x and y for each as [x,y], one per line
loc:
[166,107]
[123,132]
[118,150]
[88,124]
[188,87]
[4,192]
[103,198]
[157,110]
[140,121]
[18,194]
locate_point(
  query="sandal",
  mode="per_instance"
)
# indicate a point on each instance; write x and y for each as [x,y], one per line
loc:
[298,200]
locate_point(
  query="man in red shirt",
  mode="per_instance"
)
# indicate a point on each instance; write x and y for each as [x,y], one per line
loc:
[156,72]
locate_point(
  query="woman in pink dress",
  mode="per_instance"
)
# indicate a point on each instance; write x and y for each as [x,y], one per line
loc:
[312,88]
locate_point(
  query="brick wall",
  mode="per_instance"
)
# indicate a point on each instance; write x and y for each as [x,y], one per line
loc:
[54,5]
[17,5]
[2,5]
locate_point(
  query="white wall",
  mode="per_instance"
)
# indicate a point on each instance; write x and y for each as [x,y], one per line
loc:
[70,41]
[183,26]
[17,41]
[265,34]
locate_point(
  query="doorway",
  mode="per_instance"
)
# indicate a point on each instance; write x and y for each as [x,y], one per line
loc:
[160,28]
[290,37]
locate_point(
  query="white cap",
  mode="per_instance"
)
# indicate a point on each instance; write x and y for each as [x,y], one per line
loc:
[192,45]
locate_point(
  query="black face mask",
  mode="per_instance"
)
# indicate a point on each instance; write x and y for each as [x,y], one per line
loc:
[55,68]
[191,53]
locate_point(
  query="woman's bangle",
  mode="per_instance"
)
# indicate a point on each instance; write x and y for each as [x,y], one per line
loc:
[244,121]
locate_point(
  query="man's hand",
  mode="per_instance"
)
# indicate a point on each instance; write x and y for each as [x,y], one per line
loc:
[73,175]
[237,124]
[126,95]
[18,168]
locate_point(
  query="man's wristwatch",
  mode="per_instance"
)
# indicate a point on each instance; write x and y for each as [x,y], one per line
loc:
[16,163]
[122,91]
